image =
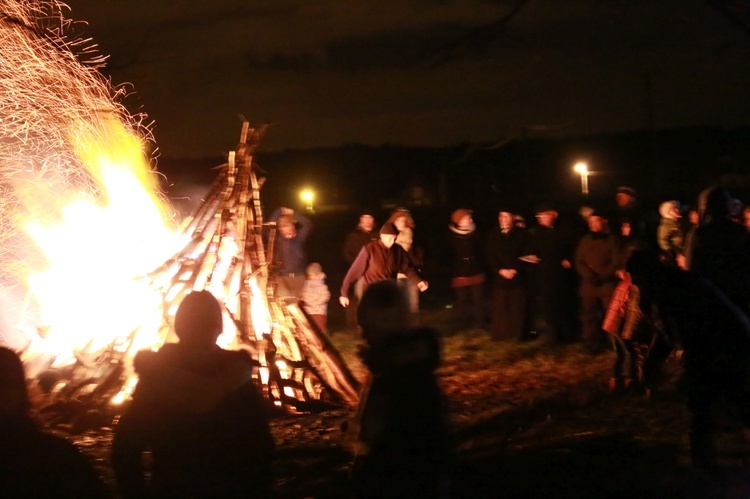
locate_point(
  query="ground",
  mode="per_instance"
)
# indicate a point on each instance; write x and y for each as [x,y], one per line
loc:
[530,420]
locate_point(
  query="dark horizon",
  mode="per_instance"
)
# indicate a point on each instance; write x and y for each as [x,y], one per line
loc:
[668,164]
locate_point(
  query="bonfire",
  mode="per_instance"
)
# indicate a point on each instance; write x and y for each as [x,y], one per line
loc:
[97,252]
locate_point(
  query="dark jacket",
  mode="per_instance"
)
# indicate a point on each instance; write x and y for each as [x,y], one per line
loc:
[596,261]
[354,242]
[203,419]
[376,263]
[503,252]
[38,464]
[552,245]
[720,252]
[402,438]
[290,254]
[465,253]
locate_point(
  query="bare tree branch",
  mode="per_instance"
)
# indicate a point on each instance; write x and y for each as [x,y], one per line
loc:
[477,39]
[737,11]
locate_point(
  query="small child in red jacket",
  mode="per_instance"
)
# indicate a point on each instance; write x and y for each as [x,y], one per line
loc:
[628,329]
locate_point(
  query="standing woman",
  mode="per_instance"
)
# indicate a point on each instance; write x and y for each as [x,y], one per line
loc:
[506,245]
[404,222]
[467,276]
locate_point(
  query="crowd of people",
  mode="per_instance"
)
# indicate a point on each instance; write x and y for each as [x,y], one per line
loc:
[646,288]
[643,284]
[646,283]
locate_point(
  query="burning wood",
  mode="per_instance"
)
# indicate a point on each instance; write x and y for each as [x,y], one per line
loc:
[297,366]
[86,232]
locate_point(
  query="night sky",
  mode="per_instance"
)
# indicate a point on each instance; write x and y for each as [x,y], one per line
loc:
[419,72]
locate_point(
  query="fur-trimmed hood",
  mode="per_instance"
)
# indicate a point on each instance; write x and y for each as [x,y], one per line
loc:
[184,380]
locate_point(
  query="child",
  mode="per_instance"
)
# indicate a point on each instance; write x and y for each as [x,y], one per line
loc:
[315,296]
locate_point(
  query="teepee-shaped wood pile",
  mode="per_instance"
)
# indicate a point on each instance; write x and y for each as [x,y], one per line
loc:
[297,367]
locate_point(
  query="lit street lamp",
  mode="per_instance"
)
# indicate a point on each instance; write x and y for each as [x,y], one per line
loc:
[308,197]
[583,170]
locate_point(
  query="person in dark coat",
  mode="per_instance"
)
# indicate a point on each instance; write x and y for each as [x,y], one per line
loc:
[628,209]
[400,434]
[554,282]
[595,260]
[505,246]
[36,463]
[364,233]
[379,261]
[467,273]
[290,252]
[197,409]
[719,249]
[715,336]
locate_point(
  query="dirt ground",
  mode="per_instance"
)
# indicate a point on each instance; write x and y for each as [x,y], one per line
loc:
[529,420]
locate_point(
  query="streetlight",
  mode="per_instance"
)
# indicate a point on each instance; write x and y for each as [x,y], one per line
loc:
[582,169]
[308,197]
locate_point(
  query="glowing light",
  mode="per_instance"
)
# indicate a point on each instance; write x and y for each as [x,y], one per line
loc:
[582,169]
[308,197]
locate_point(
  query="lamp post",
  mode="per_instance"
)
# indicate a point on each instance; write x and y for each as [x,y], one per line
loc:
[582,169]
[308,197]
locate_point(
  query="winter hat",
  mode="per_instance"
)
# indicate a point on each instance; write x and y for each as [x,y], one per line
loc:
[543,207]
[315,271]
[626,190]
[285,220]
[666,207]
[459,215]
[389,229]
[198,318]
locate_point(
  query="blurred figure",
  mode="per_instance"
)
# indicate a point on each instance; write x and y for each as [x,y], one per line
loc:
[669,235]
[719,249]
[505,246]
[400,432]
[715,335]
[595,260]
[402,219]
[746,217]
[553,281]
[381,260]
[361,235]
[735,210]
[630,333]
[467,275]
[35,463]
[628,209]
[290,252]
[315,296]
[693,218]
[198,411]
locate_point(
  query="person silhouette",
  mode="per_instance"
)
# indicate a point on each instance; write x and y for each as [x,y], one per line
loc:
[36,463]
[199,412]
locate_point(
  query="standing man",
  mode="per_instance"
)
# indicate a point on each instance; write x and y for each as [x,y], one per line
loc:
[379,261]
[596,260]
[506,245]
[467,273]
[554,282]
[289,252]
[361,235]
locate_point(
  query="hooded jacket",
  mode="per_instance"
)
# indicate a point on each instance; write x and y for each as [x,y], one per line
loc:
[202,417]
